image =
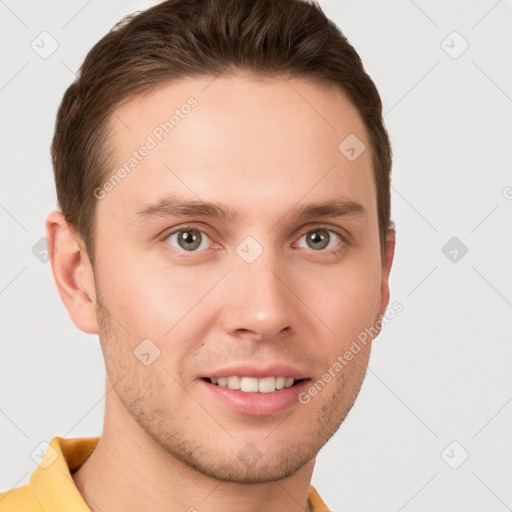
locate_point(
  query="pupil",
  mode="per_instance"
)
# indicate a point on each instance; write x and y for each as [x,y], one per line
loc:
[191,240]
[316,237]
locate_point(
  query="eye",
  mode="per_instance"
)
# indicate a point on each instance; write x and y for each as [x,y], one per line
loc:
[321,238]
[188,239]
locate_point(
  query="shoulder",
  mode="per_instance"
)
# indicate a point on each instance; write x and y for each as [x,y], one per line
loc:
[316,502]
[19,499]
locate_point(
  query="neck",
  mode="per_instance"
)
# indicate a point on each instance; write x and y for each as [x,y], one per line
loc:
[129,471]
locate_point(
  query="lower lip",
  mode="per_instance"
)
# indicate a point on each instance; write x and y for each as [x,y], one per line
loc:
[257,404]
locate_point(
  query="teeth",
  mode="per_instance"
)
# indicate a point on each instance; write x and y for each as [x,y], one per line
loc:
[233,382]
[267,385]
[280,382]
[254,385]
[249,384]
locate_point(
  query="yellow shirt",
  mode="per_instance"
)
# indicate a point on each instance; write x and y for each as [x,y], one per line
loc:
[52,489]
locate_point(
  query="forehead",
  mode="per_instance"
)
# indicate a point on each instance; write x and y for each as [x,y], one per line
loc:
[241,140]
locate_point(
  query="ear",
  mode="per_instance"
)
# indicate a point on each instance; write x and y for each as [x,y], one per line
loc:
[72,271]
[387,261]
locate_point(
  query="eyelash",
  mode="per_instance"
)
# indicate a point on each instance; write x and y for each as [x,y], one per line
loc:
[340,247]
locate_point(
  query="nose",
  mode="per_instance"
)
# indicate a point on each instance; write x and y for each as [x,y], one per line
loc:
[257,298]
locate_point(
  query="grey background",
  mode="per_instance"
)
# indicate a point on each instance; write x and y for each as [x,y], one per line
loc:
[439,372]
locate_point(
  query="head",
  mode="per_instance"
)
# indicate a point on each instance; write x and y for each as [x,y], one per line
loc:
[224,172]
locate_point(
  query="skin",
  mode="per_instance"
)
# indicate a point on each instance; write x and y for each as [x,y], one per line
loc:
[262,147]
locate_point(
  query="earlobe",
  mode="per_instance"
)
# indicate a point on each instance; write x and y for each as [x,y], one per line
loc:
[73,273]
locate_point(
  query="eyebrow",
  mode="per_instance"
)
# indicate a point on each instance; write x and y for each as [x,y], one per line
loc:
[174,206]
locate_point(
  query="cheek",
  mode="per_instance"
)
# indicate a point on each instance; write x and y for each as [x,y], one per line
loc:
[156,301]
[147,294]
[345,299]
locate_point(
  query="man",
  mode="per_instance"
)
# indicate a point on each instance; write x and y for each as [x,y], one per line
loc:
[223,175]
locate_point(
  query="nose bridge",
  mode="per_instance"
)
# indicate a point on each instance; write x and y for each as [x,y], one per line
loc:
[257,298]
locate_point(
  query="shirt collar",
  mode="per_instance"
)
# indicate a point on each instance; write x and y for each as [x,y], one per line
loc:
[52,482]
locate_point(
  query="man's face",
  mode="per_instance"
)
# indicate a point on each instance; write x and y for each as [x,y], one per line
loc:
[263,293]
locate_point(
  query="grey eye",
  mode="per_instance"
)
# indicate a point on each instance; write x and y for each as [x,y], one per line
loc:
[188,239]
[320,238]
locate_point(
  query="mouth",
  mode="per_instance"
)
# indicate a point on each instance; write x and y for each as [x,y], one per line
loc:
[253,384]
[255,389]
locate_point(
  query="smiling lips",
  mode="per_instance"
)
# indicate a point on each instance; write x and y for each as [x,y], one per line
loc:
[262,395]
[253,384]
[255,378]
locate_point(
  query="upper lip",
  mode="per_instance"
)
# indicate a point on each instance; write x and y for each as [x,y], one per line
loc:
[257,371]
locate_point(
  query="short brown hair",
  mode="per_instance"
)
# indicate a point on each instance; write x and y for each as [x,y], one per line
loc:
[196,38]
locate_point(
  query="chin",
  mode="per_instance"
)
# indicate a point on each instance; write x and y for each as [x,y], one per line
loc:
[278,467]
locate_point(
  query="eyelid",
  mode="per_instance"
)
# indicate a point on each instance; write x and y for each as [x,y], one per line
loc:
[168,232]
[335,229]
